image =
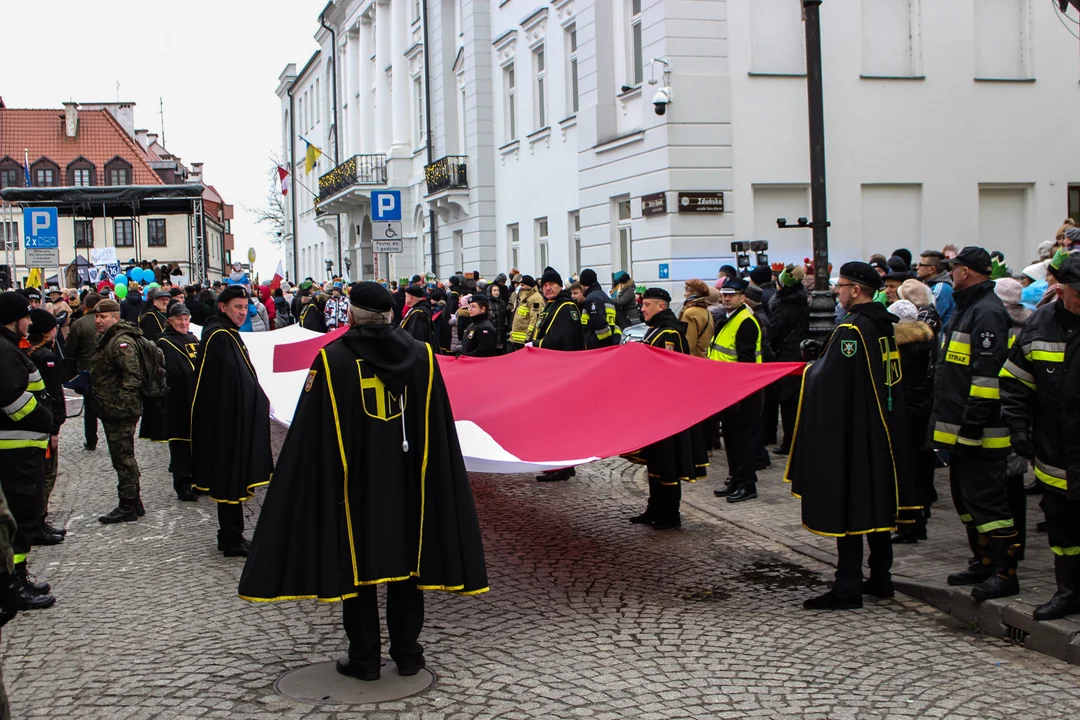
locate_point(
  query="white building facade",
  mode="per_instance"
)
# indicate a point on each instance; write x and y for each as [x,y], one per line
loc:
[528,136]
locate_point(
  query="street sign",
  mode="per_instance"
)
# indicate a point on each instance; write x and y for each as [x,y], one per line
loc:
[251,255]
[665,271]
[654,204]
[385,205]
[42,257]
[694,202]
[386,230]
[387,246]
[42,227]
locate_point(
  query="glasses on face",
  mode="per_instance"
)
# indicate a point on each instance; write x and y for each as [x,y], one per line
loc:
[922,264]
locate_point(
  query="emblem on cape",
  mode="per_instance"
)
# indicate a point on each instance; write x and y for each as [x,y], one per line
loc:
[849,347]
[574,314]
[669,345]
[310,380]
[987,339]
[471,333]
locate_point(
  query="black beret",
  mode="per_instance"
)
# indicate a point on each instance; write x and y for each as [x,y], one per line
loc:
[551,275]
[861,273]
[30,293]
[527,280]
[655,293]
[371,296]
[415,291]
[13,307]
[232,292]
[41,322]
[587,277]
[480,299]
[178,308]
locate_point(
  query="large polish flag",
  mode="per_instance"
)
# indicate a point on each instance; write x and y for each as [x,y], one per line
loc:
[582,406]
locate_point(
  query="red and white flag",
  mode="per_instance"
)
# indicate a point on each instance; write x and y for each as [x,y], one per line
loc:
[279,275]
[283,175]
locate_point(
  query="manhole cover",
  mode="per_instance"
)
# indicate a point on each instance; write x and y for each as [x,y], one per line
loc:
[322,683]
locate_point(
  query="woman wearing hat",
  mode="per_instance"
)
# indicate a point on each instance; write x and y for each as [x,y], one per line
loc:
[42,352]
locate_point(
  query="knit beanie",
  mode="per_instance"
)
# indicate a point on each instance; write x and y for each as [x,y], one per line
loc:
[1009,291]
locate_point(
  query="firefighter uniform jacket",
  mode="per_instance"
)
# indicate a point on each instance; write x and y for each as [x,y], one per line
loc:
[599,319]
[1040,387]
[559,327]
[25,420]
[967,397]
[480,338]
[528,305]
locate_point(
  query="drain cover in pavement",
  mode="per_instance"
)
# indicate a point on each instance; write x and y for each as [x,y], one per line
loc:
[322,683]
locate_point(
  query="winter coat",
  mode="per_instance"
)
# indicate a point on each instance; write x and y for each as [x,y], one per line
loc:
[282,314]
[269,305]
[131,308]
[62,312]
[789,322]
[941,286]
[699,325]
[337,312]
[626,309]
[260,321]
[197,310]
[918,347]
[116,374]
[49,365]
[530,304]
[82,341]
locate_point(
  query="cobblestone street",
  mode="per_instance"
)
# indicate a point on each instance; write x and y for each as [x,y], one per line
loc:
[588,616]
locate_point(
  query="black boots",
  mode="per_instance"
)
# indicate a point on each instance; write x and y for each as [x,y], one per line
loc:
[1003,582]
[126,511]
[1066,600]
[557,475]
[980,567]
[32,595]
[832,601]
[878,587]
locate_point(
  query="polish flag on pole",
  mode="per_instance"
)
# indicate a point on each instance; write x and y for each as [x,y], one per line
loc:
[283,175]
[279,275]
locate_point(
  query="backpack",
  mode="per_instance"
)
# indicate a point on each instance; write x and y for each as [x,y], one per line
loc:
[152,363]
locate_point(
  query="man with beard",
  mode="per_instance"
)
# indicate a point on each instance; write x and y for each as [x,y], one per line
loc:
[169,419]
[848,460]
[154,321]
[417,321]
[669,462]
[229,461]
[370,489]
[311,317]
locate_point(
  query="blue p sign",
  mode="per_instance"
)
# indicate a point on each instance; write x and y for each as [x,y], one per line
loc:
[42,228]
[386,206]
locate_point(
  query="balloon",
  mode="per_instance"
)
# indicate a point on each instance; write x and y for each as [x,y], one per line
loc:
[121,291]
[120,279]
[153,285]
[147,276]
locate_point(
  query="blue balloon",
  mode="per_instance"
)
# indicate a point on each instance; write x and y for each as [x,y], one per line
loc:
[147,276]
[120,279]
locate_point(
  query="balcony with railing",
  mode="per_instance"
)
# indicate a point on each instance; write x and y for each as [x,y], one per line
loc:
[358,172]
[447,182]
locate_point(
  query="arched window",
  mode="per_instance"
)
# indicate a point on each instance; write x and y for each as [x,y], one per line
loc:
[118,172]
[81,173]
[45,173]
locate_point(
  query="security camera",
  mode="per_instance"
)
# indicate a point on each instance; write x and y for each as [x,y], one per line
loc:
[661,100]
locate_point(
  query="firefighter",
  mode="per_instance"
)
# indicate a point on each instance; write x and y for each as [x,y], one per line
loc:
[480,337]
[529,304]
[601,329]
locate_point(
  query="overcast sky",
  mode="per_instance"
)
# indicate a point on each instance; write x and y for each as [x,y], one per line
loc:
[214,63]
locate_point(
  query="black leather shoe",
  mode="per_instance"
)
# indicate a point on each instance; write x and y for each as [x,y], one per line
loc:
[345,666]
[47,528]
[124,512]
[139,509]
[42,539]
[743,493]
[29,600]
[642,519]
[556,476]
[240,550]
[726,490]
[23,577]
[997,586]
[1063,603]
[667,523]
[91,446]
[186,495]
[782,450]
[974,575]
[832,601]
[901,537]
[878,588]
[411,668]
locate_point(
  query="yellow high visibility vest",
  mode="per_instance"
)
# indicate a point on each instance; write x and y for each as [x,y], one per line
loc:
[723,345]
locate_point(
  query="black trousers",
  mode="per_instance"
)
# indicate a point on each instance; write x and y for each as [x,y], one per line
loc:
[90,420]
[180,464]
[1018,507]
[740,444]
[980,493]
[22,478]
[230,524]
[849,552]
[404,621]
[1062,521]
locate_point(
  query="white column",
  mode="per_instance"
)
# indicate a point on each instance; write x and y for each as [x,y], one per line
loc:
[382,86]
[352,64]
[366,107]
[399,33]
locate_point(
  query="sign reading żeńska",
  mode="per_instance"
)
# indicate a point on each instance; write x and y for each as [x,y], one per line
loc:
[695,202]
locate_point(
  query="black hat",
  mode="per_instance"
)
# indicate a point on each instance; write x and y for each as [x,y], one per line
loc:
[41,322]
[30,293]
[753,292]
[879,265]
[527,280]
[897,264]
[455,280]
[975,258]
[897,276]
[178,308]
[13,306]
[862,273]
[761,274]
[1069,272]
[217,283]
[158,293]
[232,292]
[551,275]
[371,296]
[656,294]
[415,291]
[480,299]
[415,279]
[733,285]
[587,277]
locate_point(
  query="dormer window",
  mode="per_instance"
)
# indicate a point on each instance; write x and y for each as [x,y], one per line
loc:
[118,172]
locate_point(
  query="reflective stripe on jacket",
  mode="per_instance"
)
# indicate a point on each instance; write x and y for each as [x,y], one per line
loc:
[25,415]
[723,346]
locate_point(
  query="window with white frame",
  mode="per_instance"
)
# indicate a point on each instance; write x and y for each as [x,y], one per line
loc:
[318,99]
[511,103]
[575,241]
[572,95]
[636,70]
[626,239]
[541,97]
[513,244]
[890,36]
[421,129]
[1003,39]
[542,242]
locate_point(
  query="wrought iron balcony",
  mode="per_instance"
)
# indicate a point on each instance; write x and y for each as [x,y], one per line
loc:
[357,170]
[448,173]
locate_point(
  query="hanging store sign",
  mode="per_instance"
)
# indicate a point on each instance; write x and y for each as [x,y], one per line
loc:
[694,202]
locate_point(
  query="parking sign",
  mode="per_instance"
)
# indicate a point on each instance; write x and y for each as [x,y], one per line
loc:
[385,205]
[42,228]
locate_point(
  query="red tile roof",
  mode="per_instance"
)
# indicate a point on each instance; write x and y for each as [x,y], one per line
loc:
[99,139]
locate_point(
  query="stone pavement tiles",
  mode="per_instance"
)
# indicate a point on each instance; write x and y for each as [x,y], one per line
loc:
[589,616]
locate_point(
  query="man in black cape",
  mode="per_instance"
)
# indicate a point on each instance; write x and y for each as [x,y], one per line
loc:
[848,458]
[154,321]
[230,421]
[669,462]
[169,418]
[311,315]
[559,326]
[370,489]
[417,321]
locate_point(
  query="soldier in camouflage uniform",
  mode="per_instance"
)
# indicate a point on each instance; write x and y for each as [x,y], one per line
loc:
[115,383]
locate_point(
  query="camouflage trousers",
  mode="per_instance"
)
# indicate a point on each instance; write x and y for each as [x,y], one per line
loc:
[121,439]
[50,478]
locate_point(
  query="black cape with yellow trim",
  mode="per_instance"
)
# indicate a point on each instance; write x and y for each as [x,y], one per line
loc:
[349,505]
[230,418]
[559,326]
[849,461]
[417,322]
[312,318]
[169,418]
[672,459]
